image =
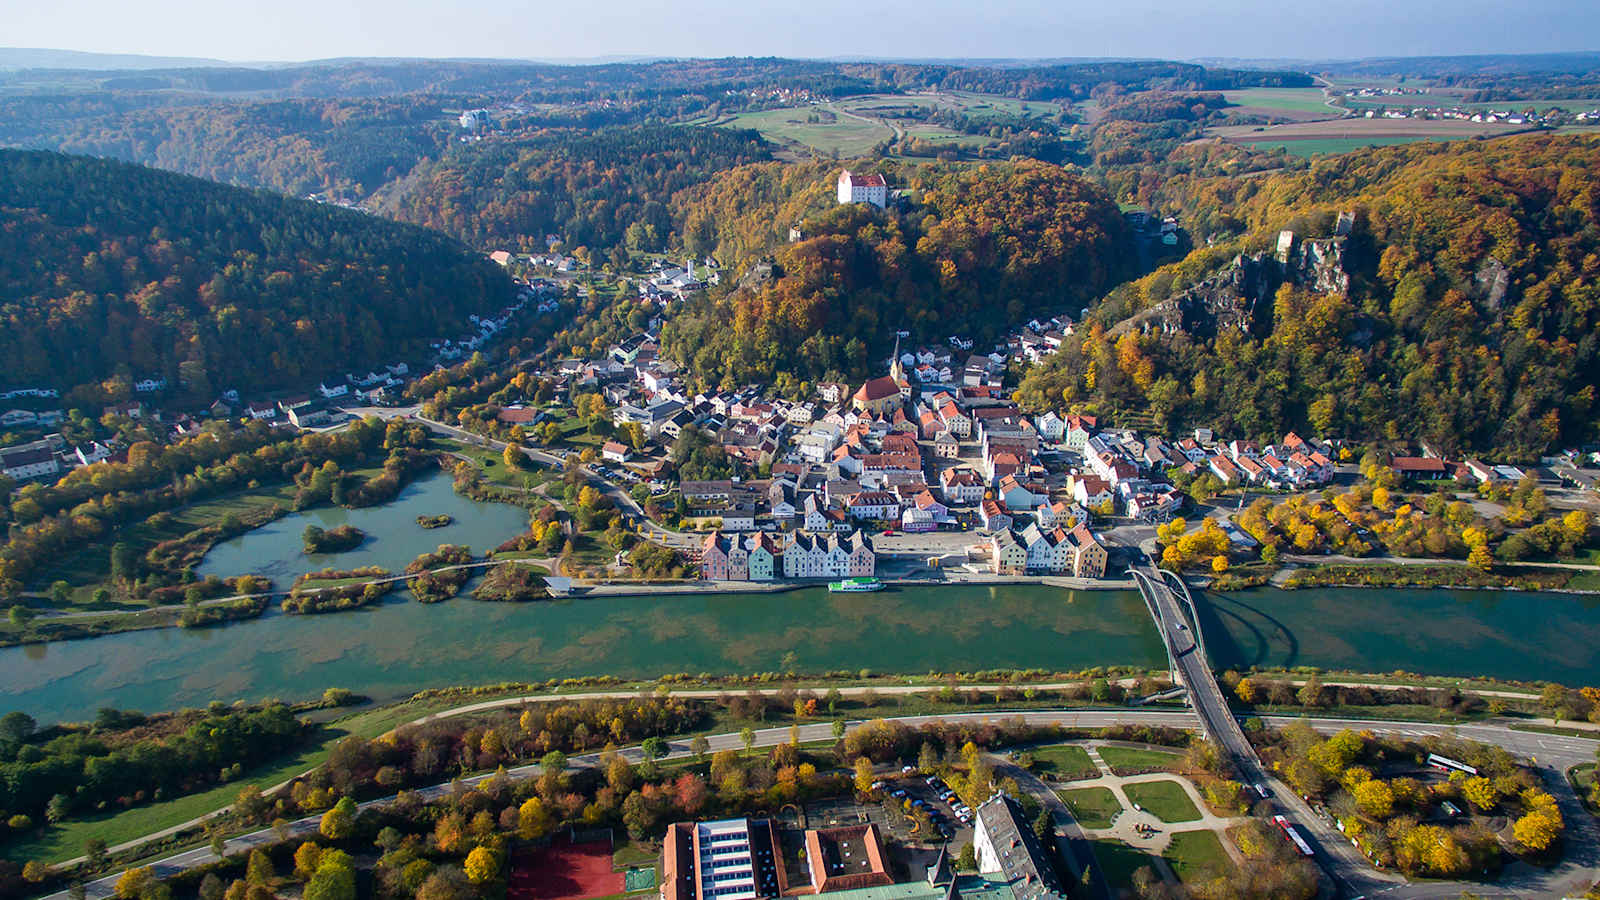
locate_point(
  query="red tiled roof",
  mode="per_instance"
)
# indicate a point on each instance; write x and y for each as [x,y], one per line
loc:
[877,389]
[863,180]
[1416,464]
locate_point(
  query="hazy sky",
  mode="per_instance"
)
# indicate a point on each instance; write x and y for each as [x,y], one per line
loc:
[310,29]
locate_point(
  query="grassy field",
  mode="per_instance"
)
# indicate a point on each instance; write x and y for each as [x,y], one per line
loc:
[940,135]
[1165,800]
[494,466]
[635,854]
[1197,855]
[1065,761]
[1285,99]
[1344,135]
[832,133]
[1137,761]
[1118,861]
[854,125]
[65,841]
[977,106]
[87,568]
[1092,807]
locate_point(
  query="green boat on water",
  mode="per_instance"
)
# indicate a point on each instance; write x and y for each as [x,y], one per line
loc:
[860,583]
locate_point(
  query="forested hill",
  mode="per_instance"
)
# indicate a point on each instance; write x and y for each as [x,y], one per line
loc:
[970,251]
[1472,316]
[590,188]
[114,270]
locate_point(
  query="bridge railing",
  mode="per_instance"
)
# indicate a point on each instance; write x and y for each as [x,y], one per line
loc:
[1194,611]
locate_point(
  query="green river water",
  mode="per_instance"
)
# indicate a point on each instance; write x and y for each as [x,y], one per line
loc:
[401,646]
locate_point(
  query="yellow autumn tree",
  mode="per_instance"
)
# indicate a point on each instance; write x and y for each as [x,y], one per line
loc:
[482,865]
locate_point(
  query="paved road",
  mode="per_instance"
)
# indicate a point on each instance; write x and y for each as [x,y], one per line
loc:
[1550,750]
[1350,872]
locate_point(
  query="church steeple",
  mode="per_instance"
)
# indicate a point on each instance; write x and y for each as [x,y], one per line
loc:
[897,371]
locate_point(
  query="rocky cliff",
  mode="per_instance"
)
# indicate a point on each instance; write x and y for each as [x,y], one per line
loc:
[1239,296]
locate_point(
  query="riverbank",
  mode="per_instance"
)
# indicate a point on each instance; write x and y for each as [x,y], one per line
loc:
[645,588]
[1310,572]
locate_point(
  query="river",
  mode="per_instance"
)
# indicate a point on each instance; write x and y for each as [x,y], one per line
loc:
[402,646]
[1515,635]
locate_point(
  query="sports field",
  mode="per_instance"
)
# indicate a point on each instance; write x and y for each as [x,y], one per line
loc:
[564,871]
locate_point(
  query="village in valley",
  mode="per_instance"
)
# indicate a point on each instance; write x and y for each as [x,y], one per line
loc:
[928,471]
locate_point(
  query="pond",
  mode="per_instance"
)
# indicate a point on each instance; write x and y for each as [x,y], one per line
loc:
[402,646]
[393,539]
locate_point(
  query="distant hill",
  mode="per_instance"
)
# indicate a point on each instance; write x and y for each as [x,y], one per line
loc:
[1423,66]
[110,271]
[30,58]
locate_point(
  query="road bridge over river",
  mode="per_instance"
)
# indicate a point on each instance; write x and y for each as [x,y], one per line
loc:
[1177,620]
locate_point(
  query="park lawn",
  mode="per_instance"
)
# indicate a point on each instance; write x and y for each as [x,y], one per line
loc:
[635,855]
[588,552]
[1197,856]
[1118,862]
[1093,807]
[1067,762]
[493,465]
[1138,761]
[1165,800]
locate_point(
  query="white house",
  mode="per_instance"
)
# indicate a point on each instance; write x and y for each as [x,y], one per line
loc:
[863,189]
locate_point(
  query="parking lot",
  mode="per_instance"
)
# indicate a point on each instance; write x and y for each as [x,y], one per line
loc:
[951,818]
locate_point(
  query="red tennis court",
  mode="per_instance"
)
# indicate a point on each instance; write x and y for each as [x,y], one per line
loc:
[564,871]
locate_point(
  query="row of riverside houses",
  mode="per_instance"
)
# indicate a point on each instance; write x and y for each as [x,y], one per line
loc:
[1048,551]
[763,556]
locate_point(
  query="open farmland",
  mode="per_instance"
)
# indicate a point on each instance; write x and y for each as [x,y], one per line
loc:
[1297,104]
[1342,135]
[818,128]
[854,125]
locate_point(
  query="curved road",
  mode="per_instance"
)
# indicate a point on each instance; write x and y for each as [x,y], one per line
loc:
[1573,875]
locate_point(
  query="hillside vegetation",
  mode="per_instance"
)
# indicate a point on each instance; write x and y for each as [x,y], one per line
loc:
[1421,345]
[973,251]
[590,188]
[110,271]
